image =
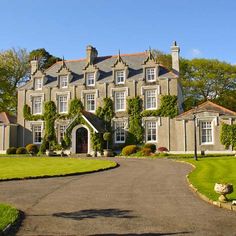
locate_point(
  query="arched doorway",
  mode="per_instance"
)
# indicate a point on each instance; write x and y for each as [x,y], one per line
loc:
[81,140]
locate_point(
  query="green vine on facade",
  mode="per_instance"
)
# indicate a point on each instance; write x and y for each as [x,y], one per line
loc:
[135,134]
[228,135]
[106,112]
[28,116]
[168,108]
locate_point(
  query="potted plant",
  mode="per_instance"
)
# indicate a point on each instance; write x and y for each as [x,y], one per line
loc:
[223,189]
[107,137]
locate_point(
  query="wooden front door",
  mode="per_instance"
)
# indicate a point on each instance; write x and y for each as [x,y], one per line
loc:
[81,140]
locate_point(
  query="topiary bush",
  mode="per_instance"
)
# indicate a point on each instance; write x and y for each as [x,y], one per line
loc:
[11,150]
[162,149]
[21,150]
[146,151]
[128,150]
[32,149]
[152,146]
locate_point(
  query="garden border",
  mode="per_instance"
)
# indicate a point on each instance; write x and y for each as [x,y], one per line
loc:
[227,206]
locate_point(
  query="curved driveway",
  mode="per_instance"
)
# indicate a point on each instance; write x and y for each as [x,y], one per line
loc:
[141,197]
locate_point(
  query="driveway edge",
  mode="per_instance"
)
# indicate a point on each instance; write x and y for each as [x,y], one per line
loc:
[227,206]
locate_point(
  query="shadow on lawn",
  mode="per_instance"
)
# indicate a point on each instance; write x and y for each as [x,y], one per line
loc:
[94,213]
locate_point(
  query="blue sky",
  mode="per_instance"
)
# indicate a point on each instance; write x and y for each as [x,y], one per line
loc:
[65,27]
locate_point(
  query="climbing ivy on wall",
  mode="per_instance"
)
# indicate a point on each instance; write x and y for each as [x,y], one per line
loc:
[228,135]
[28,116]
[106,112]
[135,134]
[168,108]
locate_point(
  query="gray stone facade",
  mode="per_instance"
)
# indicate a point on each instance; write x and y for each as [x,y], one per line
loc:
[119,77]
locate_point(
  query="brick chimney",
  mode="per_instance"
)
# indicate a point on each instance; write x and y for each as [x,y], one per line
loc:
[91,54]
[175,57]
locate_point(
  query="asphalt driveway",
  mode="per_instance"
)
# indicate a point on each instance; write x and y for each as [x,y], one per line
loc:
[141,197]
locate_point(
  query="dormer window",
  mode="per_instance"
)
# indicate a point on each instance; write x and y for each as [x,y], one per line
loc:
[64,81]
[150,74]
[90,79]
[120,77]
[38,83]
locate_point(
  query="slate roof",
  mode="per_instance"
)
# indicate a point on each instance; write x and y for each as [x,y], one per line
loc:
[94,121]
[104,64]
[5,118]
[207,106]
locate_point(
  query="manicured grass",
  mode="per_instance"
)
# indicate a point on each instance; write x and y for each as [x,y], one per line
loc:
[212,170]
[25,167]
[8,215]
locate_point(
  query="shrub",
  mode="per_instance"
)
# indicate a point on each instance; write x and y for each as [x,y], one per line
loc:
[162,149]
[21,150]
[130,149]
[107,136]
[32,149]
[152,146]
[146,151]
[11,150]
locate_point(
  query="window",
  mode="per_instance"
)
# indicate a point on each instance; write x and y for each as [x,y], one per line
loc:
[90,102]
[119,131]
[38,83]
[206,132]
[64,81]
[37,134]
[90,81]
[37,105]
[151,131]
[150,74]
[150,99]
[120,77]
[120,101]
[63,104]
[62,132]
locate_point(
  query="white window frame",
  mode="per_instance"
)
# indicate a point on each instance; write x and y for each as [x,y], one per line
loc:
[39,131]
[147,128]
[206,129]
[148,95]
[120,76]
[90,78]
[59,104]
[38,83]
[63,81]
[121,107]
[34,110]
[150,74]
[89,100]
[120,129]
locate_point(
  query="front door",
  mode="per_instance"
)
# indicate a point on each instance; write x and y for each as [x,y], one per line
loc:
[81,140]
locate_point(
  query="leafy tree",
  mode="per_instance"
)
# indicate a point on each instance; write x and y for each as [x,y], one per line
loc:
[44,57]
[208,79]
[163,58]
[14,70]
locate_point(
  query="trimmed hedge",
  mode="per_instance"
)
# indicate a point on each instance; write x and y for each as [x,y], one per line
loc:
[162,149]
[11,150]
[152,146]
[32,149]
[146,151]
[128,150]
[21,150]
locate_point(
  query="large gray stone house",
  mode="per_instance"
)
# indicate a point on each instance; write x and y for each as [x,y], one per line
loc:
[119,77]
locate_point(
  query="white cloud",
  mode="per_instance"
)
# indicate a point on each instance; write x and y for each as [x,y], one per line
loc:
[195,52]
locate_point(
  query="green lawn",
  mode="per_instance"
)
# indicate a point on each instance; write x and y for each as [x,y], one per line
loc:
[211,170]
[24,167]
[8,215]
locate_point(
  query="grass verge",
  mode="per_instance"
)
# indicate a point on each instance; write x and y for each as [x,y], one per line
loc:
[8,215]
[209,171]
[32,167]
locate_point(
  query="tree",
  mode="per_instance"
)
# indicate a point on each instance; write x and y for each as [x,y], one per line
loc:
[44,57]
[14,70]
[208,79]
[163,58]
